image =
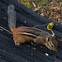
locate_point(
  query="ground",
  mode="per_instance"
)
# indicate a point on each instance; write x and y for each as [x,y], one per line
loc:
[51,9]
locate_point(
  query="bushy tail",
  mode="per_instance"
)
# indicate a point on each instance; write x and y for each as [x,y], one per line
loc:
[11,17]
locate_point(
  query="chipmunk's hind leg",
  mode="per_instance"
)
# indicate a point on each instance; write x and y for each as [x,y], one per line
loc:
[17,43]
[11,17]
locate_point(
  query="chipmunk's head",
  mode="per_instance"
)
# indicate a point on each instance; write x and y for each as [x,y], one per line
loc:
[51,43]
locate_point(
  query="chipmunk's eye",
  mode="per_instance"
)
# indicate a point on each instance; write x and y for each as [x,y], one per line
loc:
[47,39]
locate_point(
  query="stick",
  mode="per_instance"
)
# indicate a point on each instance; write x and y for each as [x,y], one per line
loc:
[5,29]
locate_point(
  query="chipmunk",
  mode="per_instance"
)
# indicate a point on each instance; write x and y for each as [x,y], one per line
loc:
[23,34]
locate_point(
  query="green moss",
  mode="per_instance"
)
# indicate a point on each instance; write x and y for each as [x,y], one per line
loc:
[27,3]
[43,3]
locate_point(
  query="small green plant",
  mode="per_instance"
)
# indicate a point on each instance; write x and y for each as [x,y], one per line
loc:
[50,26]
[43,2]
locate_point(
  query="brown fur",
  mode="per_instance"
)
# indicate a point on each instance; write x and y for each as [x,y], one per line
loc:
[22,34]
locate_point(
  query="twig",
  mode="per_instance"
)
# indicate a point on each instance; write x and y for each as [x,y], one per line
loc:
[41,25]
[5,29]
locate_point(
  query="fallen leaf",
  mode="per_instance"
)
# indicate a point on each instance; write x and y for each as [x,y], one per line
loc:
[50,26]
[55,8]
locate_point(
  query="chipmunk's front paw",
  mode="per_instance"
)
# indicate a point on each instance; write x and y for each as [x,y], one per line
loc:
[17,43]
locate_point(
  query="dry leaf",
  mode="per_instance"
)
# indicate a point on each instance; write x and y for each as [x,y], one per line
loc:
[55,8]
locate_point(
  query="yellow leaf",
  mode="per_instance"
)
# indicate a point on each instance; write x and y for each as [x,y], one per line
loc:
[50,26]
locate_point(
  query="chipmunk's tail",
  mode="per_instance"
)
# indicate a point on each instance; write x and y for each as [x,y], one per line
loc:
[11,17]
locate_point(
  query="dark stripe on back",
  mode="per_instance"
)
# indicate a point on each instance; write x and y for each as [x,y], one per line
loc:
[34,31]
